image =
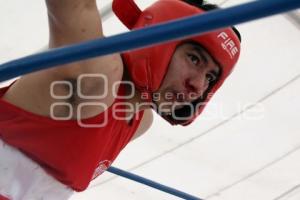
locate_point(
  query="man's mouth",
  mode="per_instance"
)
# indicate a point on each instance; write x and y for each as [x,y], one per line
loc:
[179,105]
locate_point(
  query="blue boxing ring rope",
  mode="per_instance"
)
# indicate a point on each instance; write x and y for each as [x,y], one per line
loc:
[152,184]
[144,37]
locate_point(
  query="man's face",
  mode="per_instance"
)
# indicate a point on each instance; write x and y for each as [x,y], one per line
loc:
[191,71]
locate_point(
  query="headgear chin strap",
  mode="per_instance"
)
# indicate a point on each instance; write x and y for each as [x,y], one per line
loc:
[148,66]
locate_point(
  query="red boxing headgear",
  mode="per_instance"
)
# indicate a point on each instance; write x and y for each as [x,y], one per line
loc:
[148,66]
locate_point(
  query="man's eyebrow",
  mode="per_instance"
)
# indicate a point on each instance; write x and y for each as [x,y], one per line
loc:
[216,73]
[200,52]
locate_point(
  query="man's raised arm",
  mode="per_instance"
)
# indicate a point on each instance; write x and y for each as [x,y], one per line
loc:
[75,21]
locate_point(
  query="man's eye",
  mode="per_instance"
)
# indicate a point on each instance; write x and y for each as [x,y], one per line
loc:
[195,60]
[210,77]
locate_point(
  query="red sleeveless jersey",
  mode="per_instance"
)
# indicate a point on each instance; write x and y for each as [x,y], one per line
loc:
[71,153]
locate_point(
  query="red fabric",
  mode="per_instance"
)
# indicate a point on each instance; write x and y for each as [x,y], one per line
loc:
[148,66]
[72,154]
[3,198]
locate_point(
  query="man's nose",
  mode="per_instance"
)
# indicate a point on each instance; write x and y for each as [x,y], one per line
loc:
[197,85]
